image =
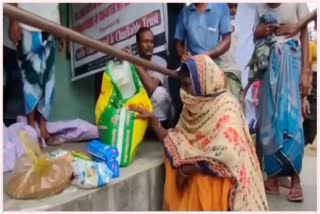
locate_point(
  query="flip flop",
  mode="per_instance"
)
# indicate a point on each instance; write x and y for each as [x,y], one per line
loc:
[295,194]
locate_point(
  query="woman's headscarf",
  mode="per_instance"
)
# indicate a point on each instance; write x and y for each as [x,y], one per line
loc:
[212,131]
[206,76]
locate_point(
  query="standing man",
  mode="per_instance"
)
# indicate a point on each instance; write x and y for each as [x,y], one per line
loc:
[203,28]
[279,112]
[36,52]
[309,103]
[154,82]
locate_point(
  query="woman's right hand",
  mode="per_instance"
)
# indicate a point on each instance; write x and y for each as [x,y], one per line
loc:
[142,113]
[264,30]
[181,180]
[15,32]
[184,174]
[153,121]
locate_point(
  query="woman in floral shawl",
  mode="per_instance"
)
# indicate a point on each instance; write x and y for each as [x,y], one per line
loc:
[210,159]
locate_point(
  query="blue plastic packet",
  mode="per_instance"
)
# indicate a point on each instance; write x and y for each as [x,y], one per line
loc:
[102,151]
[113,166]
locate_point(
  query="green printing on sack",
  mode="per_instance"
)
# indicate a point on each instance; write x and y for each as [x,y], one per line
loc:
[116,124]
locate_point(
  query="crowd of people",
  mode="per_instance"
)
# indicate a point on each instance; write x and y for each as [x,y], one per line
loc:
[275,76]
[239,64]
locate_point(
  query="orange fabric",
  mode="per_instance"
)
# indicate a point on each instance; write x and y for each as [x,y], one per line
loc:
[203,193]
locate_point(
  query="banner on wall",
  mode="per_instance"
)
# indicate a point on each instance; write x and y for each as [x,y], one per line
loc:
[115,24]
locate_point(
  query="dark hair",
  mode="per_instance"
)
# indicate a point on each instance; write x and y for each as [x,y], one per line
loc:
[141,31]
[232,5]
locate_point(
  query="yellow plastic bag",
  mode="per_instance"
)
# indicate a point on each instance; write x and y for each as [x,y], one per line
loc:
[35,175]
[118,126]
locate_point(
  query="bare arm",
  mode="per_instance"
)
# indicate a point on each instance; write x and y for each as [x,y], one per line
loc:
[304,38]
[180,47]
[307,19]
[158,129]
[289,30]
[306,76]
[153,121]
[150,83]
[182,51]
[14,29]
[221,48]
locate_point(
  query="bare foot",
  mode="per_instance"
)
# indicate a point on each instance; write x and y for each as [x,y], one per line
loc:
[32,119]
[50,140]
[272,185]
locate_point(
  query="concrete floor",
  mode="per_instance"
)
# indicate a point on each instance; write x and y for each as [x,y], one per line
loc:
[309,185]
[149,156]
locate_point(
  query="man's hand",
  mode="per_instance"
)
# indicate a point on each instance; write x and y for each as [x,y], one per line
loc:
[264,30]
[185,56]
[15,32]
[306,81]
[305,107]
[287,30]
[62,45]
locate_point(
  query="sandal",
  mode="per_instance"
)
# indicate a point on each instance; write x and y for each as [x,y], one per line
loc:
[52,141]
[295,194]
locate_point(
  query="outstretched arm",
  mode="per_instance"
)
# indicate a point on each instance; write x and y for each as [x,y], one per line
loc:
[154,122]
[221,48]
[150,83]
[307,19]
[289,30]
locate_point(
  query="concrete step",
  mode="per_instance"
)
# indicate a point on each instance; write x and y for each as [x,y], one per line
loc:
[139,188]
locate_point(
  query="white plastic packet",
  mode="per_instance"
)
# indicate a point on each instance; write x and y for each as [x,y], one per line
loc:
[90,174]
